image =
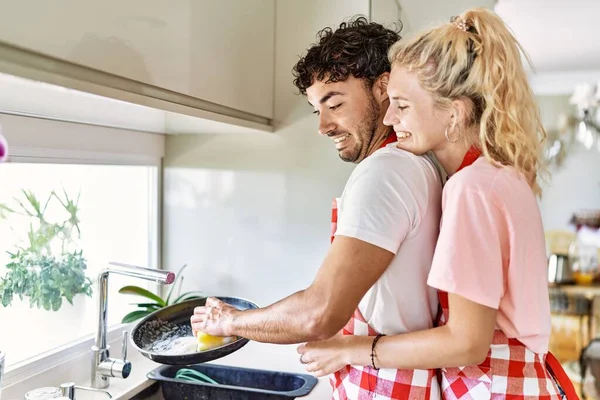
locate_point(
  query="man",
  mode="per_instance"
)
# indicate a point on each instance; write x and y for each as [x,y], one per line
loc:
[373,279]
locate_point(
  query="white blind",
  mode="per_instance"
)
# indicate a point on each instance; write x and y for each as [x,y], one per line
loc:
[30,137]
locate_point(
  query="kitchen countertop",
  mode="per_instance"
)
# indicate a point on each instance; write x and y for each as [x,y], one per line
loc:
[254,355]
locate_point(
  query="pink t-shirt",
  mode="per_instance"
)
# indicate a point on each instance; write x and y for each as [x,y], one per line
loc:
[491,250]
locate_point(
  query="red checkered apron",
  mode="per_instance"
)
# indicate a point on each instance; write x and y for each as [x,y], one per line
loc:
[367,383]
[510,371]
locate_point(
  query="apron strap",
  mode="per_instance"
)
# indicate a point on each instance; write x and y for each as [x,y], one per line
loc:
[561,377]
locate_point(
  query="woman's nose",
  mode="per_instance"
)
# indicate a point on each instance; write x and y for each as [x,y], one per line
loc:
[391,117]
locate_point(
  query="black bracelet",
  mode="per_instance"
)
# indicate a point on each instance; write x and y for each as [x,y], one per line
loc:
[373,351]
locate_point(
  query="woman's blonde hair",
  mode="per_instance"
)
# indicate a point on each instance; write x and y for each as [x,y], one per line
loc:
[476,58]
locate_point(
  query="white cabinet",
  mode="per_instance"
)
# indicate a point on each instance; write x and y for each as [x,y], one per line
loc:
[217,51]
[234,53]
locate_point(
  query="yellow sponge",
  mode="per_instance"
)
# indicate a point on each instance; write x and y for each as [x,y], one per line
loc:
[207,342]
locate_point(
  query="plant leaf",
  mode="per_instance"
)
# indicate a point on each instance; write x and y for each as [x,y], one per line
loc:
[33,202]
[136,290]
[134,316]
[154,306]
[35,271]
[188,296]
[5,210]
[174,284]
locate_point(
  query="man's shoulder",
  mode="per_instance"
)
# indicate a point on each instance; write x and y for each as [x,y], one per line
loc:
[390,160]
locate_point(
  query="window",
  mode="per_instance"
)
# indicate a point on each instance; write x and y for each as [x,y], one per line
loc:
[51,212]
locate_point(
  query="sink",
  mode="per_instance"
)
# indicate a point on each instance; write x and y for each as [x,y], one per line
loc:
[152,392]
[233,383]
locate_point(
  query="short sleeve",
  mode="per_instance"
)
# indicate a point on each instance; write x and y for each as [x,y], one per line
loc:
[377,206]
[468,256]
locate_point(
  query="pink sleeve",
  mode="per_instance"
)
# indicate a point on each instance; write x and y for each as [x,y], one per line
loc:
[468,256]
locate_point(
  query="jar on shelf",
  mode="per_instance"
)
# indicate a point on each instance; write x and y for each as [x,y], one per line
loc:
[584,262]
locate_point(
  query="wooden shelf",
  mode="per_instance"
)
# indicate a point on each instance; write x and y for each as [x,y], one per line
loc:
[590,291]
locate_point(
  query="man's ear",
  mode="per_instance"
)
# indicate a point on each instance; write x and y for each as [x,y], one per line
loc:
[380,87]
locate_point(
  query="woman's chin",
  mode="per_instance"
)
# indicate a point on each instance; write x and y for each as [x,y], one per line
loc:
[409,146]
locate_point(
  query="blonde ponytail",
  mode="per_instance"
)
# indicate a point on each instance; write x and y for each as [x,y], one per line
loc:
[476,58]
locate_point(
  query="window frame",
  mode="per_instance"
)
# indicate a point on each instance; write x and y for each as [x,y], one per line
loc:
[27,153]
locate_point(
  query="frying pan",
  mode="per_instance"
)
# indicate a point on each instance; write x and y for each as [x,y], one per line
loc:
[156,335]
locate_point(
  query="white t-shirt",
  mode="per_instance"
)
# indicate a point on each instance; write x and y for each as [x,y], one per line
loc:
[393,200]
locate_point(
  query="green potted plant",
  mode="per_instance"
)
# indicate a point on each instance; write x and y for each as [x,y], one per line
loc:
[49,267]
[153,302]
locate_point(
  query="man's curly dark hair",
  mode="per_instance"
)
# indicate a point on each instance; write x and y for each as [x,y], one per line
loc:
[358,48]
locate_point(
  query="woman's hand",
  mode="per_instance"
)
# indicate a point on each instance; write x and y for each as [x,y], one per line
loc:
[328,356]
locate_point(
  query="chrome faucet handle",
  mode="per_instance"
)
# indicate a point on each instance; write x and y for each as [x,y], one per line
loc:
[104,367]
[67,390]
[120,369]
[124,346]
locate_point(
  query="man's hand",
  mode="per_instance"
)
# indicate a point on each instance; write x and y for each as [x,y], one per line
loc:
[214,318]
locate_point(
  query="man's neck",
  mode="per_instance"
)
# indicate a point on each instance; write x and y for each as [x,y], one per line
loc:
[380,138]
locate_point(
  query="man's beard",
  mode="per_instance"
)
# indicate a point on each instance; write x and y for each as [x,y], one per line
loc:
[365,133]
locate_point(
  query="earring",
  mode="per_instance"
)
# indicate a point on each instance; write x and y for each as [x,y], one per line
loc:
[448,137]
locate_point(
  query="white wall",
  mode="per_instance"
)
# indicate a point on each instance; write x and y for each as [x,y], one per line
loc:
[419,15]
[386,12]
[576,183]
[250,213]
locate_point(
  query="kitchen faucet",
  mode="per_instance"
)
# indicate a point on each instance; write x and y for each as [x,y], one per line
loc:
[103,366]
[67,390]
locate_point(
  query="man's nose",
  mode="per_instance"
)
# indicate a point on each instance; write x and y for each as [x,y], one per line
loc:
[326,125]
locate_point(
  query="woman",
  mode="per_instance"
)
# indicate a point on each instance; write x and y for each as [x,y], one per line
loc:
[460,90]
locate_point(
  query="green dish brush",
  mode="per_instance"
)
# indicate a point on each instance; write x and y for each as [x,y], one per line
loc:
[191,375]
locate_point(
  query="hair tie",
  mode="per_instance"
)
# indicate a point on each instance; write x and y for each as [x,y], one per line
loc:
[460,23]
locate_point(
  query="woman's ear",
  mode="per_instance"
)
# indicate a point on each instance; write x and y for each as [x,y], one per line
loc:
[459,115]
[380,87]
